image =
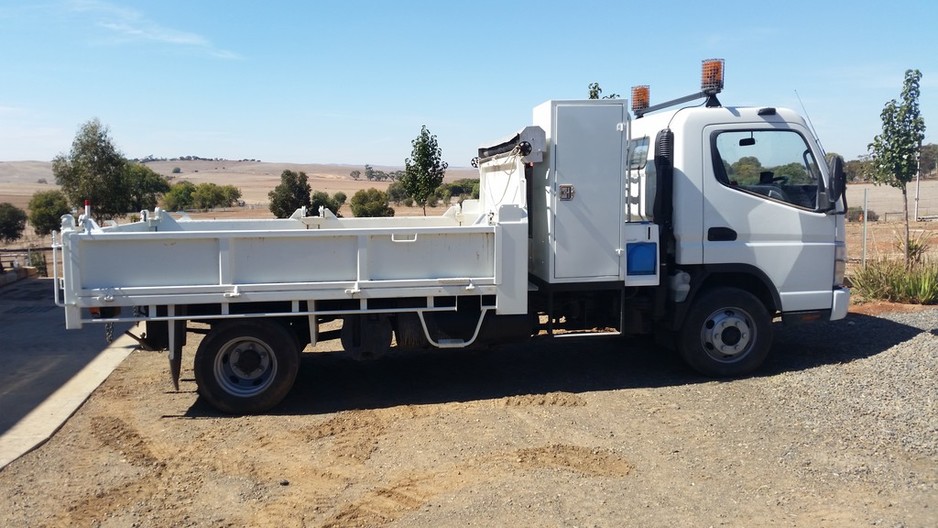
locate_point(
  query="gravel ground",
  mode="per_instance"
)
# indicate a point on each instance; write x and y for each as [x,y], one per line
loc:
[839,429]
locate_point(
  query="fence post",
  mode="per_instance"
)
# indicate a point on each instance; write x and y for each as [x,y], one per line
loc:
[866,207]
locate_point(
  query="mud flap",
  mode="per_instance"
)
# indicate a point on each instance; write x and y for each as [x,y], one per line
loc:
[177,340]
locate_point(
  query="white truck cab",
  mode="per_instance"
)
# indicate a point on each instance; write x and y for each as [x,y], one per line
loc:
[756,209]
[712,220]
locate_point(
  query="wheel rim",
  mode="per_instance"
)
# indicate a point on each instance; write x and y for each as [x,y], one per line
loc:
[728,334]
[245,366]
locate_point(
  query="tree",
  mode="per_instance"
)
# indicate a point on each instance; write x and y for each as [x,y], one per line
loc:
[929,160]
[424,170]
[291,194]
[231,195]
[207,195]
[464,189]
[895,150]
[397,193]
[746,170]
[370,202]
[179,197]
[46,209]
[144,186]
[12,222]
[94,170]
[858,170]
[794,172]
[355,174]
[322,199]
[595,91]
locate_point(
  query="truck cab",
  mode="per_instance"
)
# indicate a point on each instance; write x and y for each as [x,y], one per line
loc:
[743,215]
[751,193]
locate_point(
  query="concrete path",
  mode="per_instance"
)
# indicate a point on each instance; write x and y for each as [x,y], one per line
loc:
[47,372]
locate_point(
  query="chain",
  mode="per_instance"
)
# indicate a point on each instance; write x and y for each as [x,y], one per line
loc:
[109,332]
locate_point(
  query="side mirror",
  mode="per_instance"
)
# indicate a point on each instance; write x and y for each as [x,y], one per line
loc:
[838,183]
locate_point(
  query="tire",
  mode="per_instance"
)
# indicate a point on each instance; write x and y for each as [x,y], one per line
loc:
[246,367]
[366,337]
[727,333]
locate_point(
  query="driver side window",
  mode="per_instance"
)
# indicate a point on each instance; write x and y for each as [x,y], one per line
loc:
[775,164]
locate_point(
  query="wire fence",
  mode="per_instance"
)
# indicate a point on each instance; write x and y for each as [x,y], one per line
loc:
[36,257]
[880,233]
[886,204]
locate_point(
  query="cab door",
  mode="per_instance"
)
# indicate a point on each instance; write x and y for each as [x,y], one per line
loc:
[761,209]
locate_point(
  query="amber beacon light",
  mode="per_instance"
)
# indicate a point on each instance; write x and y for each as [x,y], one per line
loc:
[641,98]
[711,76]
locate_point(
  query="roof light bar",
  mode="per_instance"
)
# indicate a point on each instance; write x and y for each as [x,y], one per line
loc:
[711,83]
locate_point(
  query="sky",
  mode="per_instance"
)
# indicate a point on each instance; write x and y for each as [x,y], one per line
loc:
[352,82]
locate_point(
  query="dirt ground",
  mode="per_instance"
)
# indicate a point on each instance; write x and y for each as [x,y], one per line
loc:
[558,433]
[544,434]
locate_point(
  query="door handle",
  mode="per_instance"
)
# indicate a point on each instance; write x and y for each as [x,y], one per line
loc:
[567,192]
[721,234]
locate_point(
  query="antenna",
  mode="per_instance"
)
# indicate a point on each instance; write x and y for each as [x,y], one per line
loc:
[810,123]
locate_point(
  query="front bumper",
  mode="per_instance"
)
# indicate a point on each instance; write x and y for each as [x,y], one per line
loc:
[841,303]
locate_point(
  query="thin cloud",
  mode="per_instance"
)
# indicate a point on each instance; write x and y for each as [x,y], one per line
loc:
[129,25]
[155,33]
[10,111]
[747,36]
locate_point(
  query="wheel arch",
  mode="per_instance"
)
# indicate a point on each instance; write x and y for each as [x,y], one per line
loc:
[742,276]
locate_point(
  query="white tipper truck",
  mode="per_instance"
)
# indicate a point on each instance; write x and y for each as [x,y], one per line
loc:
[697,223]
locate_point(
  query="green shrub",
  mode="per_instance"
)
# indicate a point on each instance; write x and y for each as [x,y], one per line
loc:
[889,280]
[37,259]
[322,199]
[918,246]
[371,202]
[855,214]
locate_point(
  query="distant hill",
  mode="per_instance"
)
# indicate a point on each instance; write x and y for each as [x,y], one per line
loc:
[31,171]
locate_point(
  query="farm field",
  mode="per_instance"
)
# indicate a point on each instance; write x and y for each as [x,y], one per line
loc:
[19,181]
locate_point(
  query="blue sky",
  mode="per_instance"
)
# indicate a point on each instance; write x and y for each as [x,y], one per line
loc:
[353,81]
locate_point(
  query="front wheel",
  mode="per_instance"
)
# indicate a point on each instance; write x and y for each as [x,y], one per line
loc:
[728,332]
[246,367]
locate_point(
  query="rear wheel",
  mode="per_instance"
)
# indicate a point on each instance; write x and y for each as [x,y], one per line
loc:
[246,367]
[366,336]
[728,332]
